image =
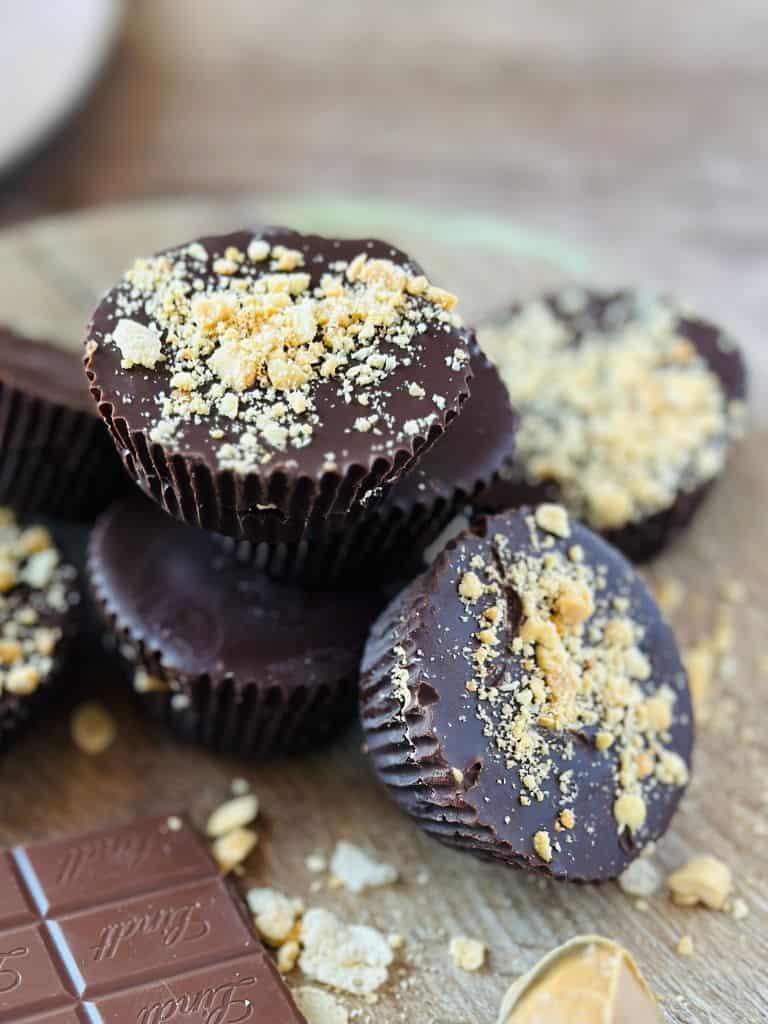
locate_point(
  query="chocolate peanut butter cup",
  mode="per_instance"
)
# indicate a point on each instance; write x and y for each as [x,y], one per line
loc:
[524,700]
[629,406]
[452,479]
[56,457]
[225,655]
[258,383]
[38,612]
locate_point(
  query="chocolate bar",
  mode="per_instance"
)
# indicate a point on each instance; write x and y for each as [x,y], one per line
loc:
[131,924]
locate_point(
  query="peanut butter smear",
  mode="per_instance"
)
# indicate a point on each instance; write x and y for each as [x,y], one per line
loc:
[589,980]
[621,414]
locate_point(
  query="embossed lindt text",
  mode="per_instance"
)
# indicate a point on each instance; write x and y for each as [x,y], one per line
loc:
[174,925]
[125,853]
[219,1005]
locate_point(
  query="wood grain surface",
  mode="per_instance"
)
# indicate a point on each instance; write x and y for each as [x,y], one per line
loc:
[53,272]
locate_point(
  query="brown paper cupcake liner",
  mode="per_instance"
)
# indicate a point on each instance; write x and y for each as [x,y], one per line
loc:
[408,761]
[55,460]
[249,721]
[274,509]
[640,541]
[389,540]
[380,545]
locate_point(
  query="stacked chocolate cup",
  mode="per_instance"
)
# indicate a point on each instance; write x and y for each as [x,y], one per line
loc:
[286,403]
[306,423]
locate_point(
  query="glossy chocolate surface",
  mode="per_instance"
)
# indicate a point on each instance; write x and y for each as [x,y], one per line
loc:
[414,752]
[469,456]
[177,593]
[132,925]
[131,393]
[44,371]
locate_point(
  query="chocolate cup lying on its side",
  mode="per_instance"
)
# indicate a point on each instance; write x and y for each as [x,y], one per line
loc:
[56,457]
[429,744]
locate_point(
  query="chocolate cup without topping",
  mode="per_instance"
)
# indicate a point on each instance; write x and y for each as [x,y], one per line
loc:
[389,541]
[254,667]
[642,539]
[292,498]
[56,457]
[414,752]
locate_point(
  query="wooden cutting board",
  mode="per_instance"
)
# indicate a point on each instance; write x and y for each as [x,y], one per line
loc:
[52,274]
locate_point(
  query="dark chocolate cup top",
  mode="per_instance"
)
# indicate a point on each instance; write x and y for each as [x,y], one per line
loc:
[201,612]
[427,721]
[364,431]
[585,314]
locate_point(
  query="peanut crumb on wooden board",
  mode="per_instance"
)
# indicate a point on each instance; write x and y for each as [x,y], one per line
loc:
[232,848]
[350,957]
[703,879]
[275,915]
[684,946]
[235,813]
[466,953]
[641,878]
[356,870]
[93,728]
[319,1006]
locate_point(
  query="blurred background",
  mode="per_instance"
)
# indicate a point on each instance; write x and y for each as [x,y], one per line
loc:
[635,134]
[520,107]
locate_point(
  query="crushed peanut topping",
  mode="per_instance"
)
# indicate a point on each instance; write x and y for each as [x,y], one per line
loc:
[543,845]
[557,652]
[246,348]
[622,414]
[275,915]
[468,954]
[553,519]
[357,871]
[351,958]
[35,588]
